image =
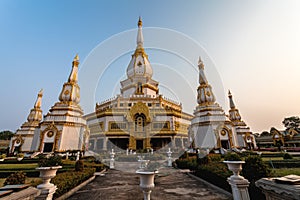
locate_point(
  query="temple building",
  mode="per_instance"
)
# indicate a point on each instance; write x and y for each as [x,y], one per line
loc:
[139,117]
[211,127]
[63,128]
[22,140]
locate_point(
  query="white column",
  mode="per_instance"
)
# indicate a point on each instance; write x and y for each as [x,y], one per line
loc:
[182,143]
[95,144]
[173,142]
[105,139]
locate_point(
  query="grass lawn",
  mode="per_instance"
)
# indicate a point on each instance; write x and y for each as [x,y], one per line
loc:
[286,171]
[19,166]
[271,158]
[32,181]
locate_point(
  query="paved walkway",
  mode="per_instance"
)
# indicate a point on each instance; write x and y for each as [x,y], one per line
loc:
[124,185]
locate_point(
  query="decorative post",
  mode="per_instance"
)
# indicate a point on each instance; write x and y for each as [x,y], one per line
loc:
[151,151]
[127,151]
[146,182]
[169,153]
[77,156]
[112,160]
[239,185]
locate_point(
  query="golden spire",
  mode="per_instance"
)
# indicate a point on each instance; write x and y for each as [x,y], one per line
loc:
[140,23]
[205,94]
[40,94]
[38,101]
[202,78]
[234,114]
[231,103]
[73,74]
[76,58]
[140,38]
[35,114]
[200,63]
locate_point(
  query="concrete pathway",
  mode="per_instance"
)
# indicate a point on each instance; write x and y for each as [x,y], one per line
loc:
[124,185]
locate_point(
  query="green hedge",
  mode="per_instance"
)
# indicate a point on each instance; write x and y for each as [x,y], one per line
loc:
[288,163]
[215,173]
[68,180]
[97,167]
[187,163]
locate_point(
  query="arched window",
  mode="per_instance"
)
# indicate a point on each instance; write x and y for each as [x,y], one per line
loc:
[139,122]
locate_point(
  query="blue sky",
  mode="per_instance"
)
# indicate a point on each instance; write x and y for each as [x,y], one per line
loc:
[253,45]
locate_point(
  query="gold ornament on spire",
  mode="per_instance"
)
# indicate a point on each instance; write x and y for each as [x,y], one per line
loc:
[200,63]
[76,58]
[140,23]
[40,94]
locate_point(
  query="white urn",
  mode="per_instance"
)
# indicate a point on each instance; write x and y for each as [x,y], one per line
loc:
[146,182]
[46,174]
[235,167]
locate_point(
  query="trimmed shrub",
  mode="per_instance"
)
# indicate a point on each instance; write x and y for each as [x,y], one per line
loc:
[98,167]
[253,170]
[287,156]
[215,173]
[205,160]
[79,166]
[232,157]
[15,178]
[190,163]
[215,157]
[68,180]
[49,161]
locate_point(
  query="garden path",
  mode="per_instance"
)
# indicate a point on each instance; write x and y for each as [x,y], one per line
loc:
[124,185]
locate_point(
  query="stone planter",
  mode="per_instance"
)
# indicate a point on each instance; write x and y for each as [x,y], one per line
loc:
[235,167]
[239,185]
[19,159]
[146,182]
[46,174]
[2,159]
[47,188]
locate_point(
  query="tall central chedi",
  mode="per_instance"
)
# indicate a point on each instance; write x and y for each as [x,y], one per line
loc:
[63,127]
[139,117]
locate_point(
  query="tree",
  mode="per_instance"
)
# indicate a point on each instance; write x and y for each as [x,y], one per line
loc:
[6,135]
[291,122]
[265,133]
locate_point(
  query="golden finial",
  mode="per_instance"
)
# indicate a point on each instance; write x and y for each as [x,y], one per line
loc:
[40,92]
[200,63]
[140,23]
[76,58]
